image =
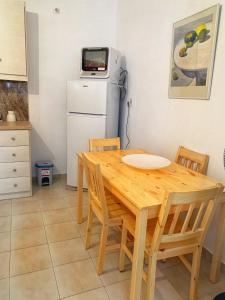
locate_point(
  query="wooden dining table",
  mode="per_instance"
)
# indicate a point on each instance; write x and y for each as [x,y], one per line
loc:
[142,192]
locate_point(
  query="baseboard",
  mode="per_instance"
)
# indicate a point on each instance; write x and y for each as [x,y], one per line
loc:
[74,188]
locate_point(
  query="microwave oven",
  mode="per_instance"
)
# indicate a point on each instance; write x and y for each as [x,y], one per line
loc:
[99,62]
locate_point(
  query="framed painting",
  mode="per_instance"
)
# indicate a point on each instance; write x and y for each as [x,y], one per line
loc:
[192,55]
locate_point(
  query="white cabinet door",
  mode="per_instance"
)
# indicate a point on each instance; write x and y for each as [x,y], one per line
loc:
[87,96]
[15,185]
[14,138]
[17,169]
[12,38]
[14,154]
[80,128]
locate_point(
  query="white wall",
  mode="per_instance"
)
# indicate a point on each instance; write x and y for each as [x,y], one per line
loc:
[158,123]
[54,44]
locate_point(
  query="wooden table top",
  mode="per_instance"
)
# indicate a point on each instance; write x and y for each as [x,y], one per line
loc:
[147,188]
[18,125]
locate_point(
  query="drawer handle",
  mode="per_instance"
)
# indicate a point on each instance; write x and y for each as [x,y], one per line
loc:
[13,138]
[15,185]
[14,154]
[0,59]
[14,170]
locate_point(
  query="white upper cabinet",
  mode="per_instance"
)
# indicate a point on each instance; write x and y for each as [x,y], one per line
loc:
[13,64]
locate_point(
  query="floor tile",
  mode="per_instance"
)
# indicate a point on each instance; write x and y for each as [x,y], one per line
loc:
[166,290]
[54,203]
[75,272]
[25,207]
[5,208]
[72,200]
[120,290]
[4,269]
[5,224]
[213,293]
[76,278]
[4,241]
[20,200]
[30,260]
[57,216]
[68,251]
[27,221]
[35,286]
[96,227]
[28,238]
[4,289]
[98,294]
[73,211]
[111,272]
[94,249]
[62,232]
[168,263]
[50,192]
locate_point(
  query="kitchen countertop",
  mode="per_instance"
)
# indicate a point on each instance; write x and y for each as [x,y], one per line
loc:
[18,125]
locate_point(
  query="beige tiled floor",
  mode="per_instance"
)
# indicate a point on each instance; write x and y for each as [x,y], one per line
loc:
[42,256]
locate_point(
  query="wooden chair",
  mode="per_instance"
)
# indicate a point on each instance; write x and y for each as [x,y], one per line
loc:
[219,244]
[171,235]
[104,144]
[192,160]
[106,207]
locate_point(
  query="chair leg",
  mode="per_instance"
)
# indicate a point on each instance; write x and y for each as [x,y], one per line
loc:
[151,273]
[122,252]
[195,273]
[102,248]
[89,228]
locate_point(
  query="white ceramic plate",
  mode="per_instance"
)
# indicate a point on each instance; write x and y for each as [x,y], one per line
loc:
[146,161]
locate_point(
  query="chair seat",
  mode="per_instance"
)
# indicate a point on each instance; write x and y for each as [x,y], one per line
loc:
[129,223]
[115,209]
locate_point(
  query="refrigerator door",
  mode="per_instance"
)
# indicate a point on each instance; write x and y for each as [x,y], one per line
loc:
[87,96]
[80,128]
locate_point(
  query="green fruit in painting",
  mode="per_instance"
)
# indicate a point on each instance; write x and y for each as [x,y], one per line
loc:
[189,44]
[175,76]
[190,37]
[203,35]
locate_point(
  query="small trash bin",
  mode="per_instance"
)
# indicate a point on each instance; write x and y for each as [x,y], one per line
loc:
[44,172]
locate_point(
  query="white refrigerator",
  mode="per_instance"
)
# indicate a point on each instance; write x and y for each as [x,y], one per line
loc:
[92,112]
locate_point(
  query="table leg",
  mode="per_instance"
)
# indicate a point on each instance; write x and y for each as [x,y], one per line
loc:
[80,190]
[219,246]
[138,255]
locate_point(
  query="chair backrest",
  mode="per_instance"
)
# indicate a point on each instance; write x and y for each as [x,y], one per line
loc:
[192,160]
[96,188]
[104,144]
[178,227]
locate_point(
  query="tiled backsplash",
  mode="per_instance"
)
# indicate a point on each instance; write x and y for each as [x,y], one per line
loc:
[14,96]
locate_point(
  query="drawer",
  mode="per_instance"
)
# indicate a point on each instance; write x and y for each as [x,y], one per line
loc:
[14,138]
[17,169]
[14,154]
[15,185]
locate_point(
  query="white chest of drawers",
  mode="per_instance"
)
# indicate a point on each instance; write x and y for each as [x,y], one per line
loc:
[15,160]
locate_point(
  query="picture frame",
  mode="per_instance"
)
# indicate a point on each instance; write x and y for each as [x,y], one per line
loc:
[193,53]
